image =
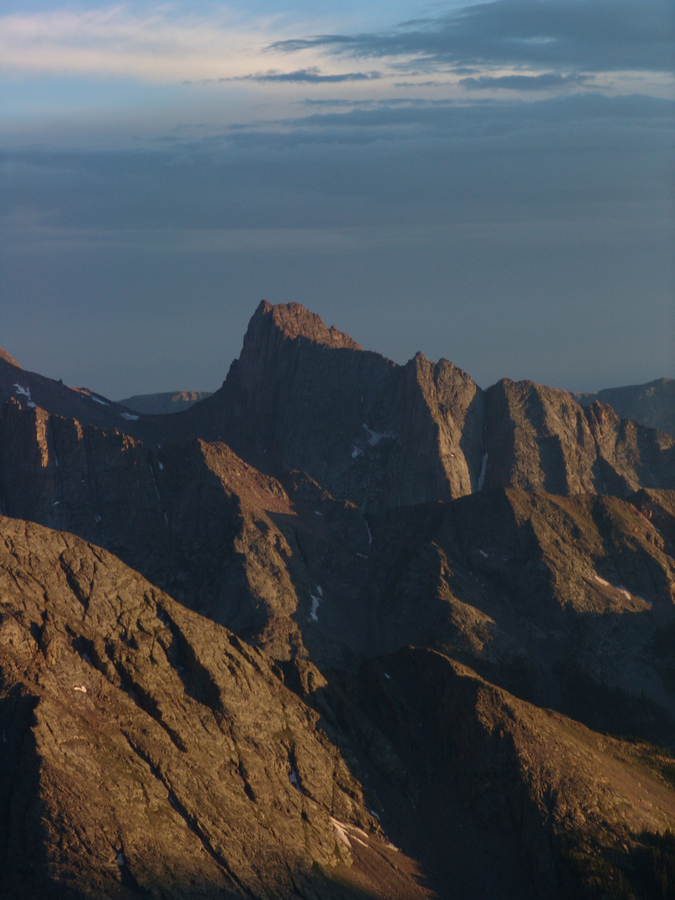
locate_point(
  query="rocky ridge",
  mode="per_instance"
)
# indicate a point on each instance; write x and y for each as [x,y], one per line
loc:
[501,559]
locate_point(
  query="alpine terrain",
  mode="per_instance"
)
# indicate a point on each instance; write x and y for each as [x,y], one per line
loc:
[341,629]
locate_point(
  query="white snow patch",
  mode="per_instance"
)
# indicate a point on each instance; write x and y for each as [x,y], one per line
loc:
[370,535]
[130,417]
[161,466]
[120,858]
[341,833]
[22,391]
[293,778]
[356,452]
[319,590]
[483,553]
[31,404]
[373,813]
[483,469]
[99,400]
[97,519]
[387,676]
[317,513]
[374,437]
[391,846]
[56,503]
[601,581]
[315,608]
[80,687]
[362,555]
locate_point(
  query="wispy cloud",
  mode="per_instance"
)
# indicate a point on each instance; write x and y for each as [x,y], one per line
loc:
[301,76]
[601,35]
[158,45]
[523,82]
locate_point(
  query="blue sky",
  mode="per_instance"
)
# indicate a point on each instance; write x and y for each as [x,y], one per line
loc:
[488,182]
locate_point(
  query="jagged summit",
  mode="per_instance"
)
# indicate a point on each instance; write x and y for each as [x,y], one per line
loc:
[9,359]
[293,321]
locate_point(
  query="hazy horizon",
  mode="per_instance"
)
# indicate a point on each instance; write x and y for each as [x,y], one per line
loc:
[491,183]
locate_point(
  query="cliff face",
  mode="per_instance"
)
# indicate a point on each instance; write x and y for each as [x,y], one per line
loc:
[302,396]
[538,438]
[652,404]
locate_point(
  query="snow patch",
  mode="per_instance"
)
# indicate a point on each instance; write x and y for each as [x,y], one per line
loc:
[80,687]
[370,535]
[31,404]
[483,469]
[161,466]
[130,417]
[293,778]
[374,437]
[356,452]
[483,553]
[341,833]
[315,608]
[317,513]
[373,813]
[387,676]
[362,555]
[99,400]
[601,581]
[120,858]
[22,391]
[56,503]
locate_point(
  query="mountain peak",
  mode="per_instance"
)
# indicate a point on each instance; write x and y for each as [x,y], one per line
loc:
[7,358]
[293,321]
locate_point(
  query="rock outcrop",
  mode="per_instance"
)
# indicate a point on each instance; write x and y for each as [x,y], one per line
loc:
[651,404]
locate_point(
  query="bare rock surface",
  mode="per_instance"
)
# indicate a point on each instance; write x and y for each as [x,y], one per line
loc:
[31,391]
[149,752]
[651,404]
[302,396]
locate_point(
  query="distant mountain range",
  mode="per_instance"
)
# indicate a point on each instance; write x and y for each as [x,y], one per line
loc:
[163,404]
[341,629]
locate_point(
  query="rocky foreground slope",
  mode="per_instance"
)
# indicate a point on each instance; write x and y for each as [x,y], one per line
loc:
[338,605]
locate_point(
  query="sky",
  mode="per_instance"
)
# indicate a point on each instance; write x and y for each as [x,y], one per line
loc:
[488,182]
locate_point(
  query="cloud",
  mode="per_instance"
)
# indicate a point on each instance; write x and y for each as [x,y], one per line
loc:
[590,35]
[159,44]
[301,76]
[523,82]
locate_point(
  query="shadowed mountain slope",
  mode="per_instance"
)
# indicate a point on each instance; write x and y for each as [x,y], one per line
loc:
[651,404]
[302,396]
[31,390]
